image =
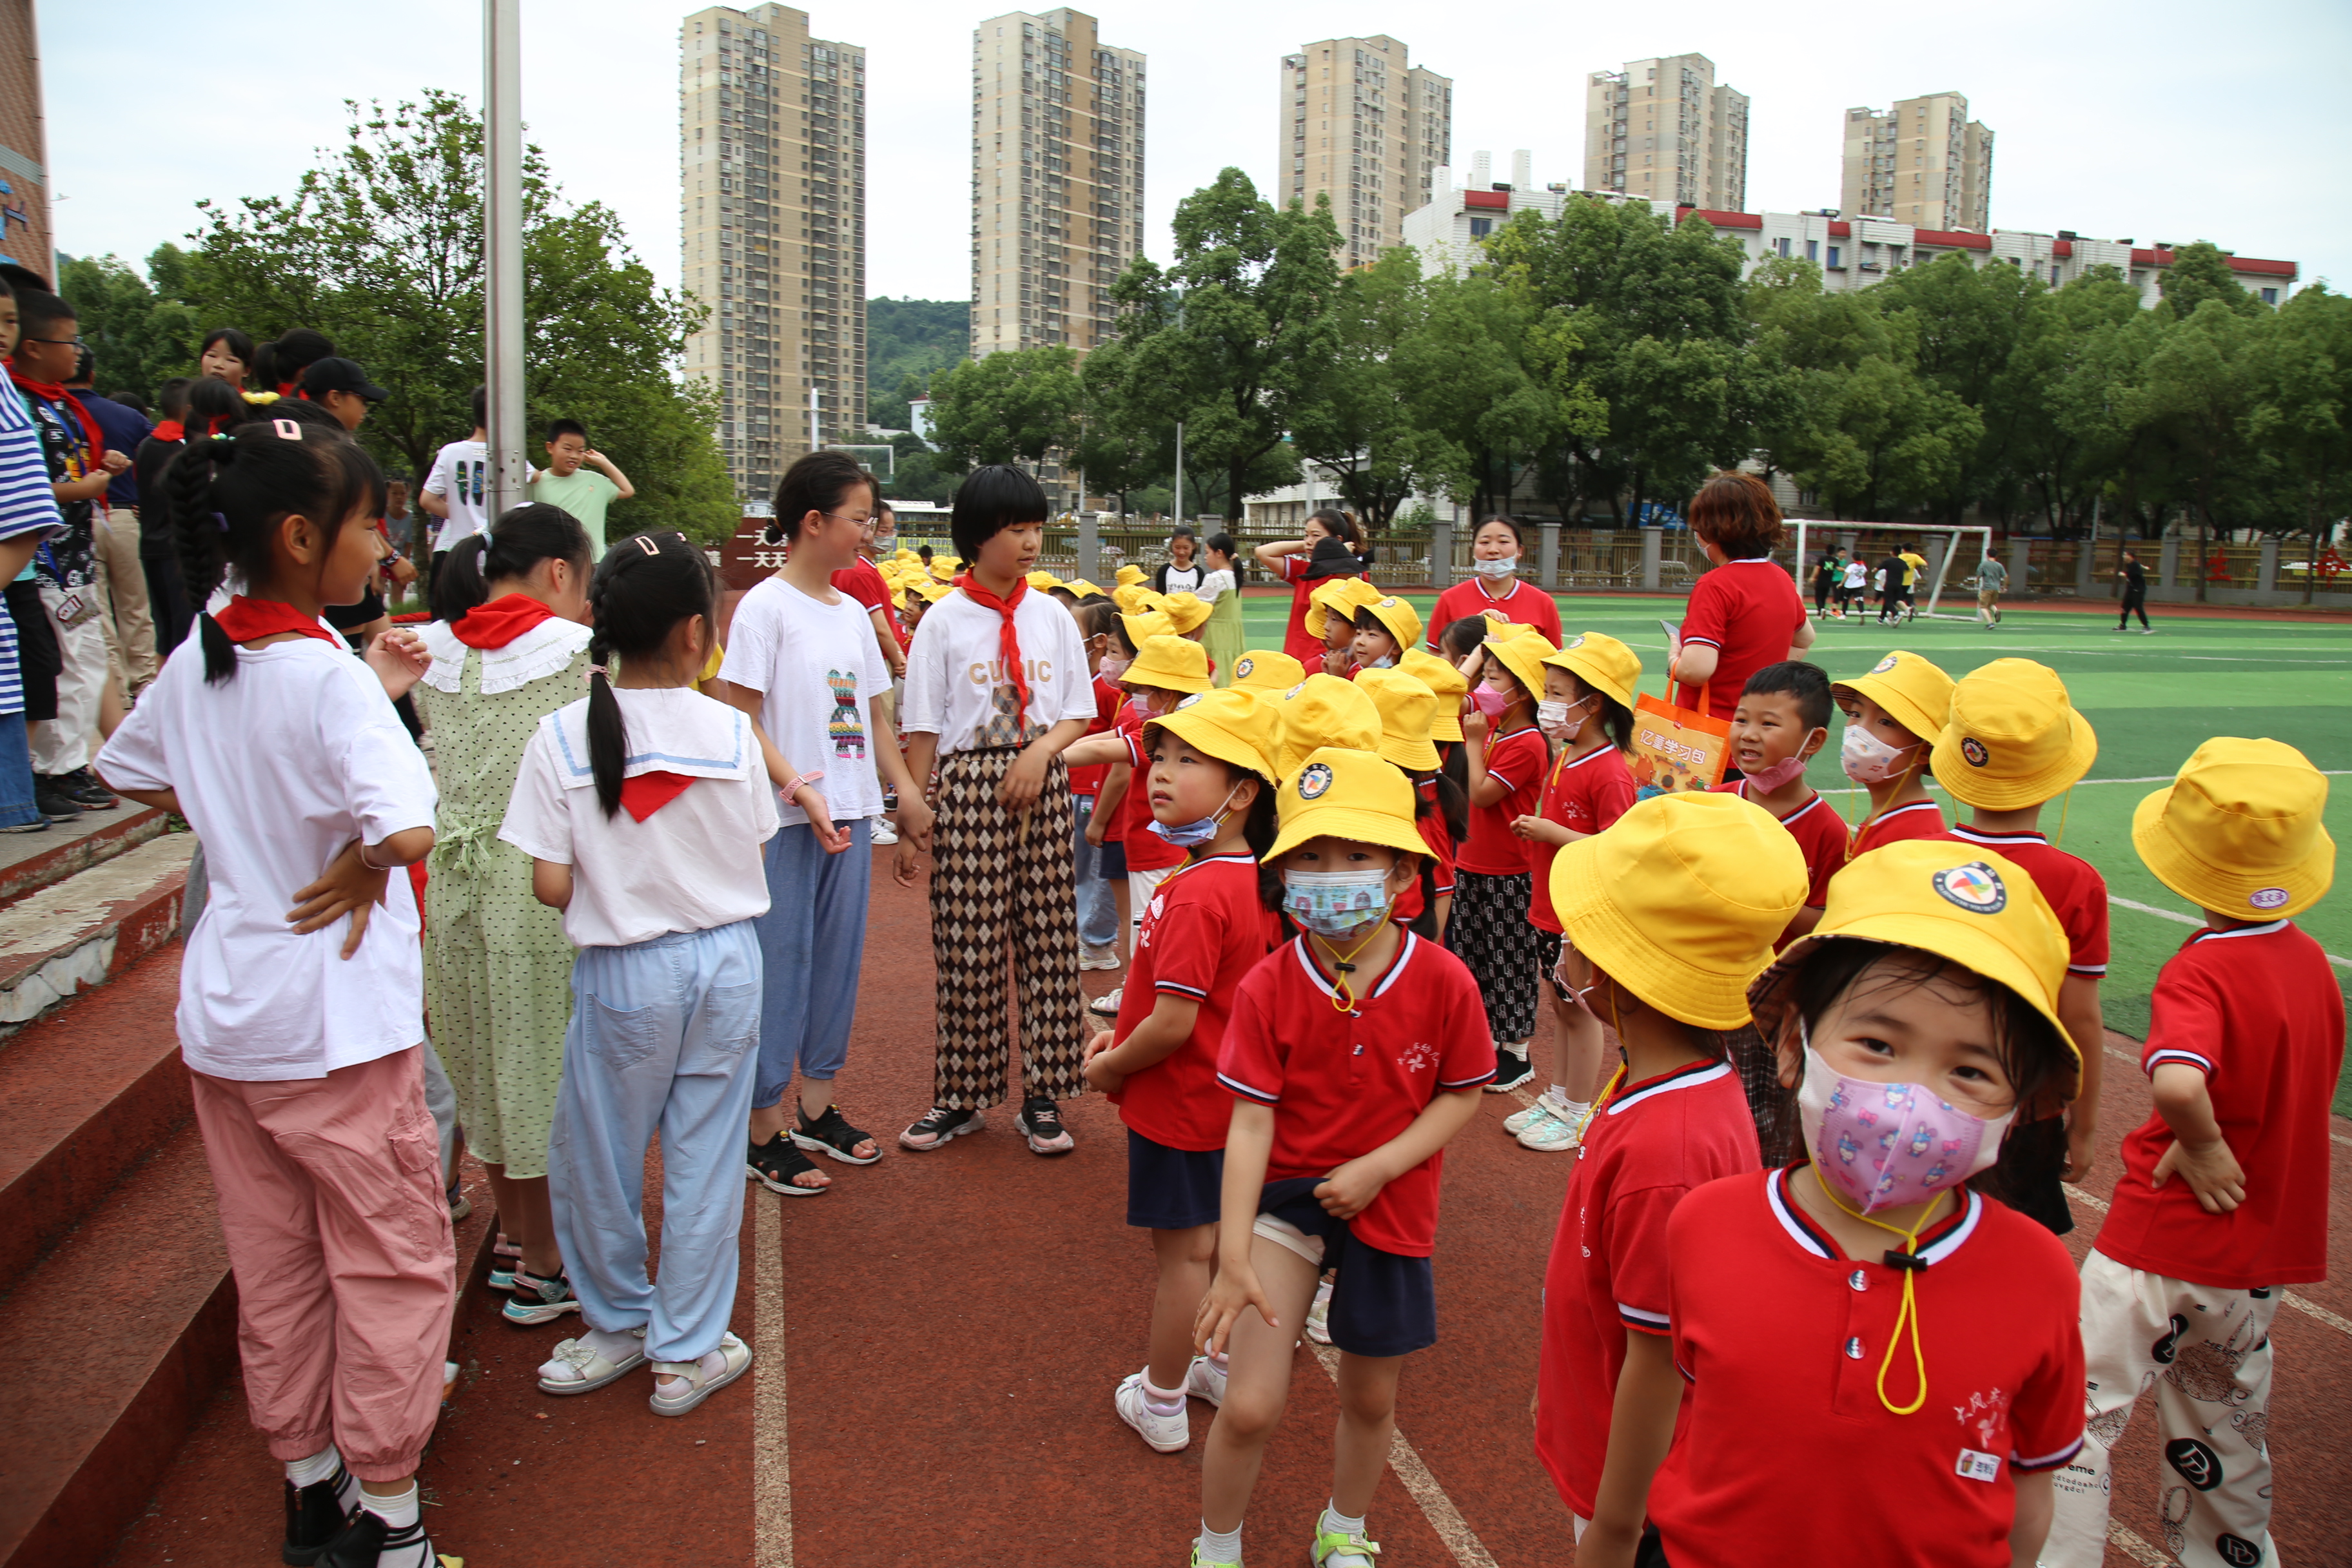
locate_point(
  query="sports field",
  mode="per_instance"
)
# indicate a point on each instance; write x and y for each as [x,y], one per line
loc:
[2152,699]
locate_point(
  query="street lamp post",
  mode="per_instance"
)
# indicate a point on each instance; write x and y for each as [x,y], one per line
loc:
[502,334]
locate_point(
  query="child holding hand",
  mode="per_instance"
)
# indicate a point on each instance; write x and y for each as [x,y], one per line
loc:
[1355,1054]
[1892,716]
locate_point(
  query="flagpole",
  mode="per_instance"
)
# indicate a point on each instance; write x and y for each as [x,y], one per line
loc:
[502,305]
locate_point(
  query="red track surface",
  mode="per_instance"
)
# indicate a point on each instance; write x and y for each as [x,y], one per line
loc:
[955,1324]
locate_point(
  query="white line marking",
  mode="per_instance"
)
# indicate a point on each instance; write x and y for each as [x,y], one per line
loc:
[2136,1549]
[1436,1506]
[2341,1325]
[2178,918]
[772,1468]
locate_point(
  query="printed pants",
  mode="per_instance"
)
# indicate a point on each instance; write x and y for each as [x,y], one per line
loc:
[1490,933]
[2207,1352]
[663,1037]
[337,1232]
[64,744]
[1003,904]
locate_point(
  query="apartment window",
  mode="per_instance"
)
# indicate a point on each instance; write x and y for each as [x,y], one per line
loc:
[1781,245]
[1813,250]
[2270,296]
[1833,256]
[1480,227]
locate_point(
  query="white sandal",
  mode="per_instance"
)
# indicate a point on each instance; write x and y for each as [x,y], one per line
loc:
[697,1384]
[588,1367]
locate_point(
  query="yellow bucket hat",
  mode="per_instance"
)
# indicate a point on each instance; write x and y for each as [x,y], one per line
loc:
[1132,600]
[1601,662]
[1325,710]
[923,588]
[1129,575]
[1341,793]
[1341,594]
[2238,831]
[1959,901]
[1915,693]
[1268,670]
[1084,589]
[945,567]
[1171,663]
[1406,706]
[1522,651]
[1189,611]
[1681,901]
[1402,620]
[2013,739]
[1044,580]
[1232,725]
[1143,626]
[1450,685]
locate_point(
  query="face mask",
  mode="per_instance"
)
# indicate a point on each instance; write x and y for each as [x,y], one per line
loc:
[1869,760]
[1184,835]
[1552,719]
[1493,704]
[1113,666]
[1780,773]
[1336,904]
[1887,1145]
[1503,567]
[1383,662]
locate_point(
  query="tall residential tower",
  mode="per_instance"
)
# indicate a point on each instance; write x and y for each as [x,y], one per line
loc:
[1664,129]
[1922,162]
[1056,179]
[773,155]
[1364,125]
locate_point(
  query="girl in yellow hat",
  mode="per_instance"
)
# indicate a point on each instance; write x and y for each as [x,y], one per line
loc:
[1893,715]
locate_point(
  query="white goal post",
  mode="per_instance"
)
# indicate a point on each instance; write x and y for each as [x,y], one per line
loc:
[1953,537]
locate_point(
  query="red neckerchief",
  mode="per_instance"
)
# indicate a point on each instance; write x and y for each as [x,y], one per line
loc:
[249,620]
[500,621]
[286,388]
[1008,640]
[169,431]
[647,793]
[51,392]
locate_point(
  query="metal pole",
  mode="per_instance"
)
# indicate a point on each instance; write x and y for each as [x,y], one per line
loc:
[813,412]
[502,319]
[1180,470]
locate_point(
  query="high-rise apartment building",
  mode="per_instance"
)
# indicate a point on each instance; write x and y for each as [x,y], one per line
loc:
[1664,129]
[1922,162]
[772,154]
[1056,179]
[1362,124]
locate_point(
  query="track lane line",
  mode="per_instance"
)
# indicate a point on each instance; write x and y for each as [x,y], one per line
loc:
[1443,1517]
[2136,1549]
[2309,1308]
[772,1469]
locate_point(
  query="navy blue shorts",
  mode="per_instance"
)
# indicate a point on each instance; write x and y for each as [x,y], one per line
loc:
[1171,1189]
[1111,861]
[1381,1304]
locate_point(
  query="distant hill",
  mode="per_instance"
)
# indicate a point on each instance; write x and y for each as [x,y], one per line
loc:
[909,338]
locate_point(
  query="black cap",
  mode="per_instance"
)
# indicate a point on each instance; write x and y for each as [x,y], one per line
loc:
[331,374]
[1331,558]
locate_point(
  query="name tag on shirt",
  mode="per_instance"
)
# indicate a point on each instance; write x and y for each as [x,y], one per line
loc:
[1978,1467]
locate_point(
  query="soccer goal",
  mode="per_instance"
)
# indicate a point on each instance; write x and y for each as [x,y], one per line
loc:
[1940,542]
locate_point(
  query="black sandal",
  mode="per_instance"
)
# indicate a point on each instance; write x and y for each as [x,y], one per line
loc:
[774,1164]
[831,1134]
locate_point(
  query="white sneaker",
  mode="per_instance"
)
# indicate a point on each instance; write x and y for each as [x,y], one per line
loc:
[1106,1006]
[884,833]
[1549,1105]
[1205,1380]
[1167,1434]
[1319,1316]
[1552,1135]
[1093,957]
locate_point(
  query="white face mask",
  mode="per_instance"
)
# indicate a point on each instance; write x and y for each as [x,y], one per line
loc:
[1501,567]
[1552,719]
[1869,760]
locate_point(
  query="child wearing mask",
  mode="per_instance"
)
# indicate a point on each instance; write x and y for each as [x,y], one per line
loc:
[1892,716]
[1492,889]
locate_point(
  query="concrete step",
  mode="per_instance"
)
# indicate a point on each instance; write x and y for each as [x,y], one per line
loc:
[34,860]
[91,926]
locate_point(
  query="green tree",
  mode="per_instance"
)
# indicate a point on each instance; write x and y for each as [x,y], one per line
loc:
[1006,407]
[916,474]
[2201,272]
[381,249]
[1369,430]
[138,341]
[2302,409]
[909,341]
[2075,348]
[1962,323]
[2195,394]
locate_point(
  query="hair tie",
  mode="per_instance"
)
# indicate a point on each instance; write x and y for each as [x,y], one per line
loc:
[220,519]
[287,430]
[592,672]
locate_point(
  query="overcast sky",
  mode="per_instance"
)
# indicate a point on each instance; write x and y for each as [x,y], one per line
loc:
[2158,120]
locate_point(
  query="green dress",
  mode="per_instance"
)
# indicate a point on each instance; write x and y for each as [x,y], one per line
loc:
[1223,636]
[498,969]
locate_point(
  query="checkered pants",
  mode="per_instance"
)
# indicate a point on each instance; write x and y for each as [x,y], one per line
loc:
[1489,931]
[1003,904]
[1773,1106]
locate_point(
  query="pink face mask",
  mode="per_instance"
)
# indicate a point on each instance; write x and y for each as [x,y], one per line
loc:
[1778,776]
[1493,704]
[1887,1145]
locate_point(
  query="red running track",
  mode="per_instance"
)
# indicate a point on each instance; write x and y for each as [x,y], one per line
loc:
[954,1324]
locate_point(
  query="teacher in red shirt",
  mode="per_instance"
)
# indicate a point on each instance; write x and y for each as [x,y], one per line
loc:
[1745,614]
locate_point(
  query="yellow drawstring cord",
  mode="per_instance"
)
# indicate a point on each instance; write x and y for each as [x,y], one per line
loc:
[1908,1315]
[1343,994]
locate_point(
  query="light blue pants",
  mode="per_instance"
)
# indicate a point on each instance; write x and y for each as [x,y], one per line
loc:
[812,942]
[662,1034]
[1098,903]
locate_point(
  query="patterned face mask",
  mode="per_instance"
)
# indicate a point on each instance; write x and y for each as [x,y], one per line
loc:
[1336,904]
[1886,1145]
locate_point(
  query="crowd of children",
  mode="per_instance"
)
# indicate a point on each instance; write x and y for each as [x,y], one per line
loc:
[1821,1087]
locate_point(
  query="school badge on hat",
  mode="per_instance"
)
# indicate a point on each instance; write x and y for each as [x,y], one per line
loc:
[1974,750]
[1576,641]
[1242,670]
[1313,780]
[2268,898]
[1883,666]
[1188,702]
[1975,887]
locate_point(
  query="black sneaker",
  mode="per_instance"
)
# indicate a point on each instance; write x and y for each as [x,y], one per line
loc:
[831,1134]
[1041,1123]
[52,802]
[774,1164]
[367,1540]
[83,786]
[1511,1069]
[938,1127]
[315,1515]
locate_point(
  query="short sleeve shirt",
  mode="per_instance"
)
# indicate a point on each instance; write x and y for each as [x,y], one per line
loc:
[1205,929]
[2076,893]
[1992,575]
[1517,762]
[1647,1148]
[1146,850]
[67,558]
[461,476]
[1920,819]
[1439,835]
[1748,612]
[2258,1011]
[956,682]
[28,505]
[585,494]
[1297,641]
[1524,605]
[1780,1336]
[1584,796]
[1088,780]
[1819,832]
[817,669]
[1343,1083]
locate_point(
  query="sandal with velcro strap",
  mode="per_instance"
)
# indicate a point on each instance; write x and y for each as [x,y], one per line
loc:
[696,1383]
[831,1134]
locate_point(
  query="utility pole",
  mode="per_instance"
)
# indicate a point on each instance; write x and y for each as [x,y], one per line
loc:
[502,335]
[813,410]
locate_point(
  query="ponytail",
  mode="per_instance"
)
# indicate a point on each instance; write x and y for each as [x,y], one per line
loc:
[461,585]
[285,357]
[643,588]
[520,539]
[819,482]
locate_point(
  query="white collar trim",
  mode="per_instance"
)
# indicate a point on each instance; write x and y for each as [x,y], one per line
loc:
[546,649]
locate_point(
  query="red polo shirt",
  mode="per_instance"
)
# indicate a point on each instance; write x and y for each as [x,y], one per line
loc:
[2077,894]
[1440,839]
[864,583]
[1524,605]
[1819,832]
[2257,1011]
[1297,641]
[1517,761]
[1920,819]
[1648,1147]
[1584,796]
[1203,931]
[1748,612]
[1342,1084]
[1781,1335]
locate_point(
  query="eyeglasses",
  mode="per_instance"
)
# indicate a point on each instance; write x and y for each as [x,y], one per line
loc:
[60,342]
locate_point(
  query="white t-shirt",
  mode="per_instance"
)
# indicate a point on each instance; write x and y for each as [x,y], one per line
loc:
[461,472]
[1218,581]
[1854,573]
[279,768]
[1185,579]
[956,687]
[817,667]
[692,864]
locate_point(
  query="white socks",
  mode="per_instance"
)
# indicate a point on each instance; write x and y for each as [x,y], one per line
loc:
[1161,1401]
[405,1545]
[398,1511]
[320,1467]
[1220,1548]
[1337,1524]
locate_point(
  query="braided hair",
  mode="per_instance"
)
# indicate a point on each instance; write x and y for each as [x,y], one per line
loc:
[231,493]
[522,537]
[643,588]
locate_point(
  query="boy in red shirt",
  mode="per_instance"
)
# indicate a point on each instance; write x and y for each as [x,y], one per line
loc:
[2014,742]
[1668,916]
[1892,716]
[1354,1054]
[2224,1193]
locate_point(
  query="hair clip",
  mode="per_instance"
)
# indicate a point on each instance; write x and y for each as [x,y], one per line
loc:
[647,544]
[221,518]
[287,429]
